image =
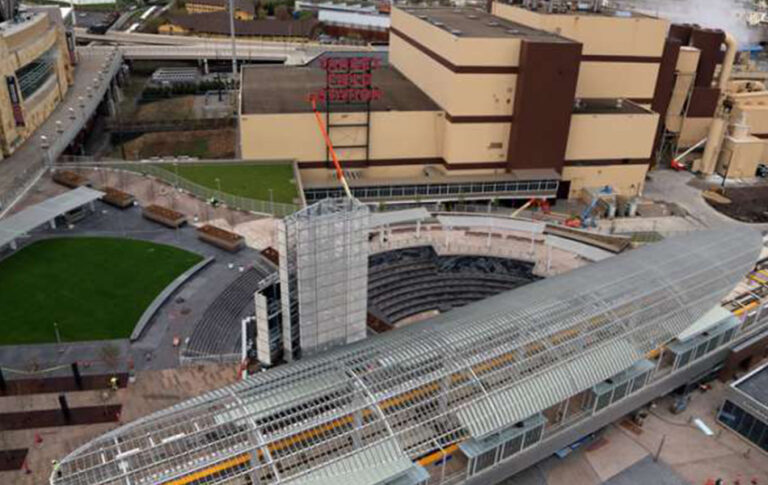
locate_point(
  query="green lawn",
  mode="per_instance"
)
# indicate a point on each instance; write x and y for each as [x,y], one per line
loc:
[243,180]
[94,288]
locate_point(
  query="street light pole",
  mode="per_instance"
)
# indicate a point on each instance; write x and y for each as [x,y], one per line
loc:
[232,35]
[56,329]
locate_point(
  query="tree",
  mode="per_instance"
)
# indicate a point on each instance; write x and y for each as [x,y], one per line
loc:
[282,13]
[261,13]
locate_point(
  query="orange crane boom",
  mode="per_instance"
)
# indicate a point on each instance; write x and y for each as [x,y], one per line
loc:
[339,172]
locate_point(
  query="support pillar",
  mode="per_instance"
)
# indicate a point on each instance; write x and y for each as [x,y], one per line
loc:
[52,223]
[418,229]
[549,258]
[206,70]
[13,245]
[65,408]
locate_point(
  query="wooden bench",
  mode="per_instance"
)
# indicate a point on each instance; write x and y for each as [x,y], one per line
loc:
[70,179]
[220,238]
[117,198]
[163,215]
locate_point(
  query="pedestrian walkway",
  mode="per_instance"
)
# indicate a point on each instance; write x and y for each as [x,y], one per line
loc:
[93,73]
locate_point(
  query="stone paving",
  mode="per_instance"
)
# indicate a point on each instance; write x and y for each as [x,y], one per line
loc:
[152,391]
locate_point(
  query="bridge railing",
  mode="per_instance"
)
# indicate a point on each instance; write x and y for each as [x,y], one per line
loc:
[35,168]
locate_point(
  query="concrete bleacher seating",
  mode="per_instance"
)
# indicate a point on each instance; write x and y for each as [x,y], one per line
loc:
[406,282]
[217,334]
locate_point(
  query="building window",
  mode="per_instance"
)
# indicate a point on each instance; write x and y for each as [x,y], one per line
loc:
[485,460]
[32,76]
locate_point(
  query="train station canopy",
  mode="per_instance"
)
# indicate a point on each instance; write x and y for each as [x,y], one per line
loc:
[359,413]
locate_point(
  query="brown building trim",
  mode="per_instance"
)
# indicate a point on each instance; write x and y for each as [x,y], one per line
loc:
[544,96]
[762,136]
[394,162]
[703,103]
[479,118]
[474,165]
[709,43]
[448,64]
[642,101]
[665,83]
[634,59]
[605,163]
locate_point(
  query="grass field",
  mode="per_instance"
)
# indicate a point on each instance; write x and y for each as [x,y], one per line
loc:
[93,288]
[243,180]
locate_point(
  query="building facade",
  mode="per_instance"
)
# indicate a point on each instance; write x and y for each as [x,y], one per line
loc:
[36,64]
[557,102]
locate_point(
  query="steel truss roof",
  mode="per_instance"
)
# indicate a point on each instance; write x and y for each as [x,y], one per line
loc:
[469,372]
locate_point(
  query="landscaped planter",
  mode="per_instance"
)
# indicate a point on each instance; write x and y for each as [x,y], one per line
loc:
[271,254]
[226,240]
[70,179]
[163,215]
[117,198]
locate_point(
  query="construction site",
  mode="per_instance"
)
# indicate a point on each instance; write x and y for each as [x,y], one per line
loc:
[523,243]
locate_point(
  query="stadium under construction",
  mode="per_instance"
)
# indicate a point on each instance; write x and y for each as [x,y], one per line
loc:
[473,395]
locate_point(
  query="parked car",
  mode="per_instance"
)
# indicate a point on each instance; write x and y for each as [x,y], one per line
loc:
[762,170]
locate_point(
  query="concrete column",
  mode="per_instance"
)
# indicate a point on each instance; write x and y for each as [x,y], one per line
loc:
[206,70]
[418,229]
[52,223]
[549,258]
[111,108]
[13,245]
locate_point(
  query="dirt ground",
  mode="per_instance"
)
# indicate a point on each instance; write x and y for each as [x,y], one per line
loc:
[204,144]
[181,108]
[747,204]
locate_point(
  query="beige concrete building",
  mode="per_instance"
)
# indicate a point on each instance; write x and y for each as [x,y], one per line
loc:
[36,66]
[474,105]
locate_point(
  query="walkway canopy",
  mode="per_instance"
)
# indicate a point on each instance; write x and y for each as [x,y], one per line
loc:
[23,222]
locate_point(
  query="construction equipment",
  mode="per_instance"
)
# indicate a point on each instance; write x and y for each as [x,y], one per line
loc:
[329,144]
[677,162]
[587,220]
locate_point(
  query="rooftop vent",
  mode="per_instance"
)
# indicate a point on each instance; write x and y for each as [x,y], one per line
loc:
[437,24]
[456,32]
[493,23]
[472,16]
[423,17]
[513,31]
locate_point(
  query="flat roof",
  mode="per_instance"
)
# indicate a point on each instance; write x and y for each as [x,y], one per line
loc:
[602,106]
[755,385]
[434,175]
[475,22]
[567,9]
[285,89]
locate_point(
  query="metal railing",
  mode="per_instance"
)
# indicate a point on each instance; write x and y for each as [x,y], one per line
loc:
[267,207]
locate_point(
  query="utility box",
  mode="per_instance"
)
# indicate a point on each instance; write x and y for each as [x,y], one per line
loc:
[739,157]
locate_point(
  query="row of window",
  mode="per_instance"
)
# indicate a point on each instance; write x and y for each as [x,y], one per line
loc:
[744,423]
[505,450]
[608,393]
[458,189]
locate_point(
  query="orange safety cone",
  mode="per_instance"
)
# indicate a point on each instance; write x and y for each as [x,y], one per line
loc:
[38,438]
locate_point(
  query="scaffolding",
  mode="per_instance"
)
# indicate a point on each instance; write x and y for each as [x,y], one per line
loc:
[365,413]
[324,267]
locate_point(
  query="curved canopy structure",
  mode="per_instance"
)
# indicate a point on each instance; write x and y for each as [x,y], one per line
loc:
[362,413]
